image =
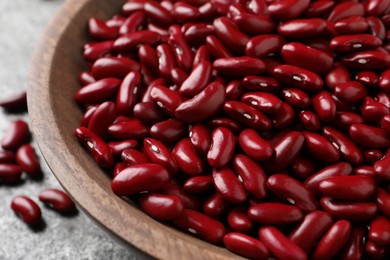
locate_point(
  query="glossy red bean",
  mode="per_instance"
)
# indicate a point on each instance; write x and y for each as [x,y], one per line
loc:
[337,169]
[196,33]
[131,156]
[384,81]
[148,112]
[157,13]
[351,25]
[239,221]
[369,136]
[202,54]
[203,105]
[292,191]
[117,147]
[303,167]
[121,131]
[310,230]
[377,27]
[180,47]
[372,155]
[184,12]
[16,135]
[339,74]
[161,206]
[158,153]
[296,97]
[168,100]
[113,67]
[351,91]
[197,80]
[26,158]
[382,167]
[186,157]
[376,7]
[264,45]
[319,8]
[261,83]
[99,91]
[200,226]
[298,77]
[7,156]
[320,147]
[379,231]
[200,138]
[57,200]
[348,149]
[334,239]
[102,118]
[222,147]
[166,60]
[324,106]
[198,184]
[345,10]
[215,205]
[310,120]
[133,6]
[234,90]
[254,24]
[128,93]
[245,246]
[287,9]
[262,101]
[10,173]
[216,48]
[14,102]
[358,188]
[133,23]
[382,199]
[100,31]
[228,185]
[355,42]
[94,51]
[348,210]
[354,248]
[170,130]
[367,59]
[374,251]
[373,111]
[190,201]
[254,146]
[274,214]
[27,209]
[302,28]
[239,66]
[279,245]
[230,35]
[99,150]
[283,117]
[140,178]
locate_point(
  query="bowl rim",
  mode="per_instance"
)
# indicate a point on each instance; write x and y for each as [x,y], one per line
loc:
[48,136]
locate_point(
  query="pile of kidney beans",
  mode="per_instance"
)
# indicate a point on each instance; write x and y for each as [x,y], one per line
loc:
[262,125]
[17,156]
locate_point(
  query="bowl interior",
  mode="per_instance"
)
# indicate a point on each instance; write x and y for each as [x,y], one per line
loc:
[54,116]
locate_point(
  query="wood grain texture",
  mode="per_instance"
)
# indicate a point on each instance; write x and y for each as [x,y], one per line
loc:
[54,115]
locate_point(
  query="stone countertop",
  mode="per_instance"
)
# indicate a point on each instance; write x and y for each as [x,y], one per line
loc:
[22,23]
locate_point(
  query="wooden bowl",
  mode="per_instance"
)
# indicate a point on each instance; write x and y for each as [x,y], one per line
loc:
[54,116]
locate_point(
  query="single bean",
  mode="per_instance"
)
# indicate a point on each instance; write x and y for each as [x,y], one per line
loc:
[215,205]
[28,161]
[369,136]
[263,101]
[228,185]
[57,200]
[298,77]
[10,173]
[264,45]
[320,147]
[27,209]
[113,67]
[354,248]
[239,66]
[198,184]
[261,83]
[274,213]
[121,131]
[158,153]
[287,9]
[198,79]
[14,102]
[16,135]
[239,221]
[245,246]
[99,91]
[186,157]
[379,231]
[102,118]
[161,206]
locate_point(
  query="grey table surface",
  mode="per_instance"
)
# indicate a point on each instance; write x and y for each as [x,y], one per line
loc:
[21,25]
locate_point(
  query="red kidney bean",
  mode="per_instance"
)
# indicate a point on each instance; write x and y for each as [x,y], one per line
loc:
[228,185]
[254,146]
[303,167]
[369,136]
[203,105]
[157,13]
[257,7]
[354,248]
[198,184]
[310,230]
[10,173]
[319,8]
[14,102]
[345,10]
[302,28]
[310,120]
[16,135]
[140,178]
[339,74]
[226,122]
[200,138]
[377,27]
[296,97]
[287,9]
[28,161]
[252,175]
[186,157]
[373,111]
[230,35]
[118,147]
[214,205]
[345,119]
[332,242]
[263,101]
[264,45]
[100,31]
[133,6]
[103,116]
[196,34]
[239,66]
[351,91]
[27,209]
[161,206]
[347,148]
[166,60]
[283,117]
[98,91]
[261,83]
[148,113]
[324,106]
[298,77]
[57,200]
[113,67]
[131,156]
[234,90]
[376,7]
[184,12]
[201,55]
[379,231]
[279,245]
[197,80]
[367,171]
[180,47]
[245,246]
[384,81]
[133,23]
[372,155]
[200,226]
[95,51]
[222,147]
[382,199]
[87,115]
[274,213]
[374,251]
[367,59]
[319,147]
[292,191]
[165,98]
[337,169]
[170,130]
[128,93]
[178,76]
[216,48]
[351,25]
[121,131]
[353,211]
[239,221]
[355,42]
[254,24]
[158,153]
[358,188]
[99,150]
[189,201]
[382,166]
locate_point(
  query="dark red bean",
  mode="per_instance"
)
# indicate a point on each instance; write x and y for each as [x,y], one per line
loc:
[222,147]
[28,161]
[372,155]
[198,184]
[379,231]
[161,206]
[7,156]
[324,106]
[382,199]
[254,24]
[254,146]
[384,81]
[139,178]
[133,6]
[201,55]
[245,246]
[116,21]
[14,102]
[170,130]
[216,48]
[27,209]
[57,200]
[320,147]
[355,42]
[10,173]
[196,34]
[382,167]
[168,100]
[234,90]
[303,167]
[239,66]
[283,117]
[186,157]
[133,23]
[298,77]
[16,135]
[353,211]
[374,251]
[118,147]
[351,91]
[351,25]
[215,205]
[261,83]
[310,120]
[264,45]
[157,13]
[99,91]
[369,136]
[230,35]
[279,245]
[319,8]
[287,9]
[190,201]
[296,97]
[94,51]
[184,12]
[373,111]
[367,59]
[166,60]
[376,7]
[354,248]
[274,214]
[239,221]
[302,28]
[332,242]
[310,230]
[148,112]
[121,131]
[339,74]
[128,93]
[262,101]
[180,47]
[203,105]
[377,27]
[158,153]
[113,67]
[228,185]
[102,118]
[131,156]
[200,226]
[197,80]
[345,10]
[100,31]
[226,122]
[200,138]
